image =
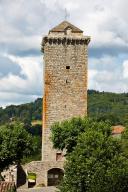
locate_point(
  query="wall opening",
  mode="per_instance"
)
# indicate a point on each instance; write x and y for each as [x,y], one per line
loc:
[54,176]
[58,156]
[68,67]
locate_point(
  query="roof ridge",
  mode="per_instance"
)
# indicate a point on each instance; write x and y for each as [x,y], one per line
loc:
[63,25]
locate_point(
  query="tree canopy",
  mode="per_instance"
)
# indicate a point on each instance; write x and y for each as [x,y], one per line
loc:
[108,106]
[65,134]
[15,143]
[95,161]
[24,112]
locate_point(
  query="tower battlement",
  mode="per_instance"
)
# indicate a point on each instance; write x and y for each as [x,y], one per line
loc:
[65,40]
[65,33]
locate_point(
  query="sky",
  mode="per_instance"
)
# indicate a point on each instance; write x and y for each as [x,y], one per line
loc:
[23,23]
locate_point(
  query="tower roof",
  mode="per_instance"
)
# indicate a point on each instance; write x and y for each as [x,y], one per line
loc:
[65,24]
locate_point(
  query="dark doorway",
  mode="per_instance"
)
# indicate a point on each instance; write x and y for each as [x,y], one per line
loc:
[54,176]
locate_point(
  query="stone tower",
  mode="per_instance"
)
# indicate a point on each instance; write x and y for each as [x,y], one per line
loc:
[65,82]
[65,93]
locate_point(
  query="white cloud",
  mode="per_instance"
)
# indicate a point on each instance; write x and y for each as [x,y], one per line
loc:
[30,83]
[105,62]
[23,24]
[15,98]
[125,69]
[91,76]
[105,74]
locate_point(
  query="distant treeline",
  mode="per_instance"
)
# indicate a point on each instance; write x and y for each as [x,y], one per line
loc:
[101,105]
[25,112]
[108,106]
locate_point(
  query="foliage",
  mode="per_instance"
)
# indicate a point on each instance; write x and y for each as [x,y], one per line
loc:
[101,106]
[96,161]
[124,140]
[34,129]
[108,106]
[66,133]
[24,112]
[36,153]
[31,176]
[15,143]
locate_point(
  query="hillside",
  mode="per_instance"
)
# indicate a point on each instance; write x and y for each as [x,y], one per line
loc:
[25,112]
[101,105]
[111,106]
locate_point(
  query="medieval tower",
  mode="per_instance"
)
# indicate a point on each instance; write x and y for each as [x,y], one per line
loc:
[65,51]
[65,82]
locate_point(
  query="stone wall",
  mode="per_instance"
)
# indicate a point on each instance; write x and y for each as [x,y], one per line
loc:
[41,169]
[65,84]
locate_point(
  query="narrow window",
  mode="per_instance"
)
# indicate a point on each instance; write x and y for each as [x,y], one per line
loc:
[58,156]
[68,67]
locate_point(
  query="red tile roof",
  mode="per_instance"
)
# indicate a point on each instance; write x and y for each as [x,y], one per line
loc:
[118,129]
[5,186]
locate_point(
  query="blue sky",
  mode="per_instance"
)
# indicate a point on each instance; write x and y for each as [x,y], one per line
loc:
[24,23]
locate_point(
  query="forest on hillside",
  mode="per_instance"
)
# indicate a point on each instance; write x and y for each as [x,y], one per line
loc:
[101,106]
[25,112]
[108,106]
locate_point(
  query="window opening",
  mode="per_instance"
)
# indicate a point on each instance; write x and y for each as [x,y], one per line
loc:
[58,156]
[68,67]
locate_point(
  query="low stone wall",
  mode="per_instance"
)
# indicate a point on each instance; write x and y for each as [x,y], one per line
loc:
[41,169]
[40,189]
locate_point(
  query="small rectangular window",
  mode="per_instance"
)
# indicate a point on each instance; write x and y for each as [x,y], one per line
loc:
[67,67]
[58,156]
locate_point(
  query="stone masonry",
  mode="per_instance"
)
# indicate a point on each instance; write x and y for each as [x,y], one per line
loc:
[65,90]
[41,169]
[65,81]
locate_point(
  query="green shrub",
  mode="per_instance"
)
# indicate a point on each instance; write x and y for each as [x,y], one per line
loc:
[31,176]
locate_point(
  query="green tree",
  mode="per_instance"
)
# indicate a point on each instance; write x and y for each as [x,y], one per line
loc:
[95,160]
[124,140]
[15,142]
[66,133]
